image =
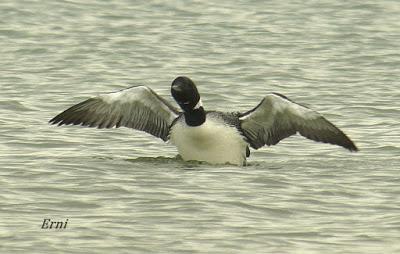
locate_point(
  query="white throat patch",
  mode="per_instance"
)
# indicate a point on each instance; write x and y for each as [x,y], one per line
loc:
[198,105]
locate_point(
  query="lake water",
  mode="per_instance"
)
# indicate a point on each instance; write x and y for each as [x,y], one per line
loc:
[124,191]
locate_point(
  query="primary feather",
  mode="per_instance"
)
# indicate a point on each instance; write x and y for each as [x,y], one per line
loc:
[136,107]
[277,117]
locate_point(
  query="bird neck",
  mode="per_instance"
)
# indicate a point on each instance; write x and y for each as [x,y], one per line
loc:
[195,117]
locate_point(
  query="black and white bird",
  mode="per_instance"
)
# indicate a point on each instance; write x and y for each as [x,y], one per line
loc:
[211,136]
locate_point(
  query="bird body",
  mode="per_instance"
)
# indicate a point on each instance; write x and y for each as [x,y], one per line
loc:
[214,141]
[210,136]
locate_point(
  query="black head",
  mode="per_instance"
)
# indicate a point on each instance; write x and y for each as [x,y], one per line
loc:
[185,93]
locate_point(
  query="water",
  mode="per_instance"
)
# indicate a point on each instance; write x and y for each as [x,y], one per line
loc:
[124,191]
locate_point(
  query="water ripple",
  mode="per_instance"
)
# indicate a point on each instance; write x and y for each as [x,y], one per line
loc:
[124,191]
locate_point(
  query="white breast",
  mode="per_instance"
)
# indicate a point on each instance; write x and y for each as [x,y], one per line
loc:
[212,142]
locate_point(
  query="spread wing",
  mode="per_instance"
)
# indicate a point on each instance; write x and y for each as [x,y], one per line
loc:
[136,107]
[277,117]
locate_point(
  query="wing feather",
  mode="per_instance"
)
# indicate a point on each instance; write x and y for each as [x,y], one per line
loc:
[136,107]
[277,118]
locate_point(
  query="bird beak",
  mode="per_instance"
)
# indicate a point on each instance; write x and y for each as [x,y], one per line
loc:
[177,88]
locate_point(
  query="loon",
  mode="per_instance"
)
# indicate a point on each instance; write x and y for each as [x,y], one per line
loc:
[210,136]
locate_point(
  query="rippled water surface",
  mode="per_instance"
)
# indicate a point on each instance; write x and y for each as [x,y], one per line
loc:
[124,191]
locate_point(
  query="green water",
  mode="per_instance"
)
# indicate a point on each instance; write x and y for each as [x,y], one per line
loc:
[124,191]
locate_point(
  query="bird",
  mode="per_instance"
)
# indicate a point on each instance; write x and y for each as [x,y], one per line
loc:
[213,137]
